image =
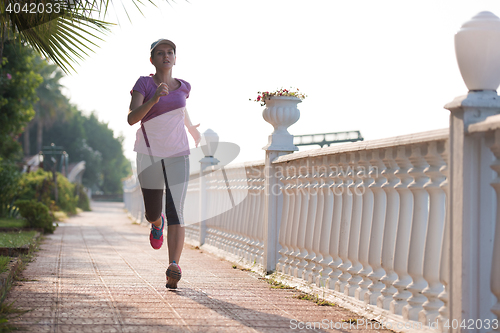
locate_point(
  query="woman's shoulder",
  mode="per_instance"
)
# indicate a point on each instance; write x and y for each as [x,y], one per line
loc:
[187,84]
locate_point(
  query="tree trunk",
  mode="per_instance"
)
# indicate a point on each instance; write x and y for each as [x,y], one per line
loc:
[39,132]
[27,140]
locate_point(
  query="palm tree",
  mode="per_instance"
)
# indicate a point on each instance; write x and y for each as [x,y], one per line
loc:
[64,35]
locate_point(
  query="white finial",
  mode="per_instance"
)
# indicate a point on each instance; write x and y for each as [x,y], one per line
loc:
[209,142]
[477,47]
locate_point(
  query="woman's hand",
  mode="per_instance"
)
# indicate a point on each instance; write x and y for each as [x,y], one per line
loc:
[162,90]
[193,130]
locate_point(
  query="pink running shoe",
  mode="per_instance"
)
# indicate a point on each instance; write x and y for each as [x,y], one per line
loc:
[174,274]
[156,234]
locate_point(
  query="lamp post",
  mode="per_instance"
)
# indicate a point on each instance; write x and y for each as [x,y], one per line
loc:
[467,262]
[209,143]
[52,153]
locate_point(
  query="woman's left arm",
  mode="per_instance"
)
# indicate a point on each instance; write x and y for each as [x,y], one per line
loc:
[193,130]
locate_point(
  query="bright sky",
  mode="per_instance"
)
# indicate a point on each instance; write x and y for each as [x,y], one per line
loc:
[385,68]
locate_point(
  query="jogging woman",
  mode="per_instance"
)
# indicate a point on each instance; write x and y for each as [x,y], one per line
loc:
[159,103]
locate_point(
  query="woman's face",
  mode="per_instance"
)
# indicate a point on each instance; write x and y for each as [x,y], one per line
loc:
[163,56]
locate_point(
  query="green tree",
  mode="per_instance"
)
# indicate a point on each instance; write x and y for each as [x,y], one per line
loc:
[86,138]
[64,34]
[18,83]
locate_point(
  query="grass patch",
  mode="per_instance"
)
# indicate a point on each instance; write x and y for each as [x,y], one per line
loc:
[314,299]
[241,268]
[278,285]
[16,239]
[350,320]
[8,311]
[13,223]
[4,262]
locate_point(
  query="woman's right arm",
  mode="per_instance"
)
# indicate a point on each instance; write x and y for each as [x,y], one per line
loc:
[138,109]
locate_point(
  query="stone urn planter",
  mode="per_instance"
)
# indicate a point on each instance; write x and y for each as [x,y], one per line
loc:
[281,112]
[477,47]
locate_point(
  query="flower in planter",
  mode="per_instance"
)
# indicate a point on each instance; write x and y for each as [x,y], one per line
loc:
[279,92]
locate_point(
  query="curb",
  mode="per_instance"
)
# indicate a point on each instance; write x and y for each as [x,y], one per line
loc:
[6,278]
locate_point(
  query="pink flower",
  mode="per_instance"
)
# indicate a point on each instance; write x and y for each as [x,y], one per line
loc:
[258,98]
[9,76]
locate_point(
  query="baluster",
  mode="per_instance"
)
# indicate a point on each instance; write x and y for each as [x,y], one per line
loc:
[391,226]
[239,217]
[262,202]
[251,210]
[345,223]
[326,224]
[335,229]
[495,269]
[366,228]
[255,223]
[230,221]
[404,231]
[286,213]
[313,189]
[304,209]
[377,233]
[357,190]
[292,174]
[418,232]
[444,268]
[434,239]
[246,215]
[292,262]
[321,174]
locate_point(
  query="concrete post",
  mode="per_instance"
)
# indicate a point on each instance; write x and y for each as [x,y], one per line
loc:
[280,143]
[477,47]
[470,221]
[209,142]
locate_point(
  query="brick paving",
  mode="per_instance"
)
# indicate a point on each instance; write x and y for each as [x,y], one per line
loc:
[98,273]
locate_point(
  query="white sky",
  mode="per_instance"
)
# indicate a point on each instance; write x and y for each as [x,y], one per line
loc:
[385,68]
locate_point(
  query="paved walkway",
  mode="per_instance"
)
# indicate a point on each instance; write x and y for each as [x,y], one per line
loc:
[98,273]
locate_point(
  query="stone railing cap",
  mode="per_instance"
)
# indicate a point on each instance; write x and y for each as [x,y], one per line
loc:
[403,140]
[489,124]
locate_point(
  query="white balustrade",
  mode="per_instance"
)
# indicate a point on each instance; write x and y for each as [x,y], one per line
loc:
[312,209]
[402,250]
[345,223]
[418,232]
[321,173]
[377,232]
[326,224]
[357,190]
[303,188]
[435,229]
[333,249]
[366,228]
[391,225]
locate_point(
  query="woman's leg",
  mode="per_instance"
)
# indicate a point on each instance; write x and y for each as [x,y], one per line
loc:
[151,181]
[152,205]
[176,173]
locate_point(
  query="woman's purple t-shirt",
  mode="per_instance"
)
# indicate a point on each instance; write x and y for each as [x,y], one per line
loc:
[162,131]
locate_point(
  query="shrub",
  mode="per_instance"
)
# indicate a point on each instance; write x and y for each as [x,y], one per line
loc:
[9,185]
[39,185]
[66,193]
[37,214]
